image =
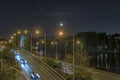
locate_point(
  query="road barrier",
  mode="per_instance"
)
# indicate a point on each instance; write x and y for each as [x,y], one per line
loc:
[45,64]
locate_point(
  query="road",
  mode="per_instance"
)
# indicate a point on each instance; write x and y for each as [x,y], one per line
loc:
[47,74]
[36,64]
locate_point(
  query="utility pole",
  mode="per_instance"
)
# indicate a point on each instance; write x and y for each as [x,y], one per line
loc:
[45,46]
[31,43]
[73,58]
[56,50]
[1,64]
[65,49]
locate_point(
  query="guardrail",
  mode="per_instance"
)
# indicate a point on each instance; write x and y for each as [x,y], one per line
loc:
[46,65]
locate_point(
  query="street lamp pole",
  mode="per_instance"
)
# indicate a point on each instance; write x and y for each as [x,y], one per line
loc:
[31,43]
[37,32]
[73,47]
[15,40]
[65,50]
[19,32]
[45,45]
[56,50]
[73,58]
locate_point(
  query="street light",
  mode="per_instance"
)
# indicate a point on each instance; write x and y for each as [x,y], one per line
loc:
[56,49]
[56,53]
[15,38]
[52,43]
[14,34]
[19,32]
[37,31]
[10,40]
[12,37]
[45,44]
[73,57]
[73,48]
[42,41]
[78,42]
[60,33]
[25,31]
[37,43]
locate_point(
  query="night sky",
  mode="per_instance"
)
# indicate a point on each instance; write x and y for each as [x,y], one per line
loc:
[77,15]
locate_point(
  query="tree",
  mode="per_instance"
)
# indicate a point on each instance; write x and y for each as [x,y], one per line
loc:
[54,64]
[7,74]
[27,43]
[91,40]
[82,60]
[101,41]
[7,61]
[8,57]
[68,58]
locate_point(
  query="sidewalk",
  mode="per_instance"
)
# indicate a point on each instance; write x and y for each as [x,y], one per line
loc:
[104,75]
[97,74]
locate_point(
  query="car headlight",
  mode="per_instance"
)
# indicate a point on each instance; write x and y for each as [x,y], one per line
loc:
[38,75]
[22,61]
[32,76]
[25,61]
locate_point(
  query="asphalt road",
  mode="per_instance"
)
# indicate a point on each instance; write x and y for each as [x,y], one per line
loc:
[47,74]
[37,65]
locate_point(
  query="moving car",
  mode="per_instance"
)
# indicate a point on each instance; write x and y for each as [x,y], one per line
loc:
[23,61]
[34,75]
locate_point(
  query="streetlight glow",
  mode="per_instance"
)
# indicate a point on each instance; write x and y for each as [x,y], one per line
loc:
[19,32]
[37,32]
[37,43]
[42,41]
[14,34]
[52,43]
[25,31]
[60,33]
[78,42]
[12,37]
[10,41]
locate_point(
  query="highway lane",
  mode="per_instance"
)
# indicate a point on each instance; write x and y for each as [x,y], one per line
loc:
[26,69]
[48,74]
[45,72]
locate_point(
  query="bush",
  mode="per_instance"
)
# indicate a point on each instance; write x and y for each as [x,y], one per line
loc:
[53,63]
[67,76]
[8,62]
[82,72]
